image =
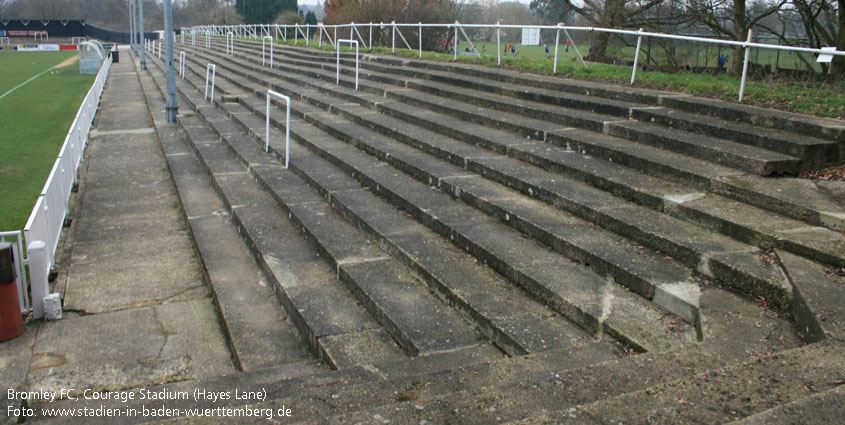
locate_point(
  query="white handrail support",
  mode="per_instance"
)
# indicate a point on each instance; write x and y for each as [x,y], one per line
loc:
[636,57]
[182,64]
[263,42]
[270,95]
[350,42]
[230,50]
[212,68]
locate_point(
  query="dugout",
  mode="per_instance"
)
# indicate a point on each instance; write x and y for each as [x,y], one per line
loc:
[91,57]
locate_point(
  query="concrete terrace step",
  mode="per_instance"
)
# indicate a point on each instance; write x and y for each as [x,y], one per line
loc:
[476,236]
[820,152]
[822,128]
[259,333]
[729,259]
[726,262]
[800,205]
[474,385]
[815,153]
[825,128]
[329,318]
[258,104]
[514,322]
[731,154]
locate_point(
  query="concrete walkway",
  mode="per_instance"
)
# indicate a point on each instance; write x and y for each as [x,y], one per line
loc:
[137,311]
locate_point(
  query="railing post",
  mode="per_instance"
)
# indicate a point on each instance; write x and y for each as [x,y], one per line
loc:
[371,36]
[182,64]
[393,44]
[351,42]
[37,251]
[420,40]
[307,35]
[263,44]
[636,56]
[456,40]
[271,93]
[213,69]
[295,34]
[557,43]
[745,65]
[499,45]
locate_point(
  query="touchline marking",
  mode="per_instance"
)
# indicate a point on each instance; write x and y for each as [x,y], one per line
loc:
[25,82]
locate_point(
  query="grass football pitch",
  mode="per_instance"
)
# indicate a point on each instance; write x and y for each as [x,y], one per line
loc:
[34,119]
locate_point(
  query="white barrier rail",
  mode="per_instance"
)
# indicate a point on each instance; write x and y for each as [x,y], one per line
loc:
[350,42]
[213,69]
[44,225]
[270,95]
[457,26]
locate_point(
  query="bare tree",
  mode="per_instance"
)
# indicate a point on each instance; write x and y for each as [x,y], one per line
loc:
[601,13]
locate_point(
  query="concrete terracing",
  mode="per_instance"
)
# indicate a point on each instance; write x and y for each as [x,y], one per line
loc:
[456,244]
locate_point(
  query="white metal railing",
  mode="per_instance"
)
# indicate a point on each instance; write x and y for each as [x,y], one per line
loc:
[350,42]
[44,225]
[457,26]
[263,43]
[210,68]
[270,95]
[182,64]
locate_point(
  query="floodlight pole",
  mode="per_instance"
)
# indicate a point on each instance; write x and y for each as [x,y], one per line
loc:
[141,34]
[172,107]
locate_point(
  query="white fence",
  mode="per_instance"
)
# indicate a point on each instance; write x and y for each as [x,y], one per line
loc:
[455,29]
[45,223]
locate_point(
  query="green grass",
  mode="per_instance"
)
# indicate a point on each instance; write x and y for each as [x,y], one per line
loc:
[20,66]
[35,120]
[813,98]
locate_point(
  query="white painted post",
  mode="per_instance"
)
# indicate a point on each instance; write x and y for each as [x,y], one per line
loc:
[295,34]
[371,36]
[320,31]
[37,251]
[456,40]
[636,56]
[271,93]
[393,44]
[420,40]
[213,69]
[557,43]
[351,42]
[307,35]
[263,42]
[159,50]
[499,46]
[230,37]
[182,64]
[745,66]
